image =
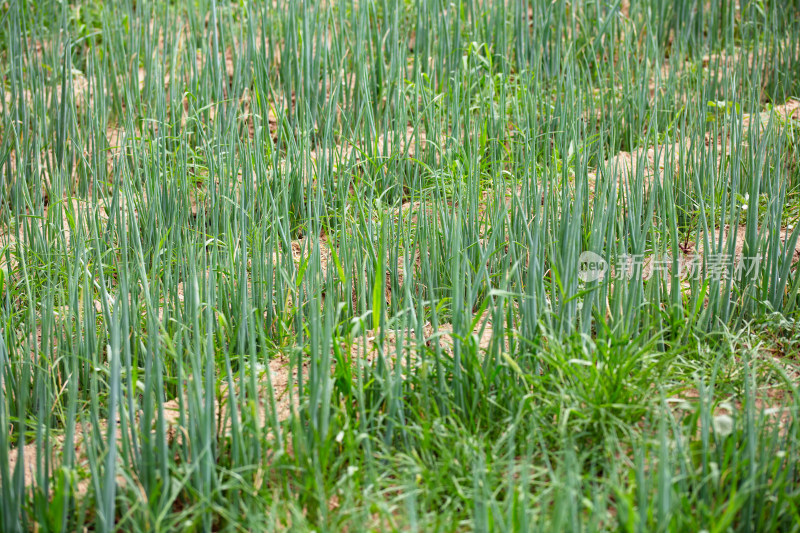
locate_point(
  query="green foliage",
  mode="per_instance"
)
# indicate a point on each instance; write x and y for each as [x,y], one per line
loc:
[317,266]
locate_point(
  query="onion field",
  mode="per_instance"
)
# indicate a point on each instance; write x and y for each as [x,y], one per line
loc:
[400,265]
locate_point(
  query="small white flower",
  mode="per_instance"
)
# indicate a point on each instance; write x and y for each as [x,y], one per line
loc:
[714,467]
[723,425]
[744,207]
